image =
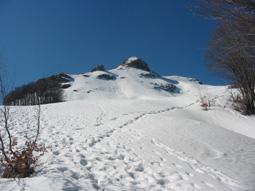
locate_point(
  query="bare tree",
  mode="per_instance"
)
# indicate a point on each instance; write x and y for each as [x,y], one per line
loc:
[5,112]
[17,162]
[223,10]
[38,118]
[232,48]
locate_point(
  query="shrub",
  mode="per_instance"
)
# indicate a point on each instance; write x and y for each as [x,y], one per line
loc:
[205,103]
[18,161]
[21,164]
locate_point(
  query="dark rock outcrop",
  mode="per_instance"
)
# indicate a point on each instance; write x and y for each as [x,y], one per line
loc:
[65,86]
[106,77]
[137,63]
[195,80]
[165,87]
[149,75]
[98,67]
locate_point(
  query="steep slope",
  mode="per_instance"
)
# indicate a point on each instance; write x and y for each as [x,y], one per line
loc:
[130,129]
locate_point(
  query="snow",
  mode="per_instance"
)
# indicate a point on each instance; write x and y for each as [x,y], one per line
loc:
[123,134]
[131,59]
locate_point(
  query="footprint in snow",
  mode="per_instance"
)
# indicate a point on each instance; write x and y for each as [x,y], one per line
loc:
[113,119]
[83,162]
[56,152]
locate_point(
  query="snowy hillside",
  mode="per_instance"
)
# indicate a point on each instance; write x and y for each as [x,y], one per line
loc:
[132,129]
[120,83]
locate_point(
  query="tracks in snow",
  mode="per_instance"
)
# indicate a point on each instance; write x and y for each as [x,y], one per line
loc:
[104,163]
[162,182]
[94,140]
[197,166]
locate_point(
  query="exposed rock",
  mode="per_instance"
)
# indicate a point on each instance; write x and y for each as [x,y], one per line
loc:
[165,87]
[65,86]
[98,67]
[59,78]
[134,62]
[149,75]
[195,80]
[106,77]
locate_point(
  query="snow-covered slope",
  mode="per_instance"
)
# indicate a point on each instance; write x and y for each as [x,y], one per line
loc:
[129,129]
[125,83]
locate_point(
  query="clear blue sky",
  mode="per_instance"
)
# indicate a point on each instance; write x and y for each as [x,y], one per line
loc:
[43,37]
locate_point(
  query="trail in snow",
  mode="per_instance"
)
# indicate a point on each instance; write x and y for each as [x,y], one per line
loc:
[106,163]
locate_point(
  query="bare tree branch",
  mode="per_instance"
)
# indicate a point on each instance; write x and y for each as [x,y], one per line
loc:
[231,50]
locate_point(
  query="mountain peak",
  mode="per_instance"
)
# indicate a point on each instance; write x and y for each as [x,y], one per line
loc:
[131,59]
[135,62]
[98,67]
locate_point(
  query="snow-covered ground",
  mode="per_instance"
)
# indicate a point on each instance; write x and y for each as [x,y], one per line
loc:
[128,134]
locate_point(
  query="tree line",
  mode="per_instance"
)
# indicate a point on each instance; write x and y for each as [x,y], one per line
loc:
[48,90]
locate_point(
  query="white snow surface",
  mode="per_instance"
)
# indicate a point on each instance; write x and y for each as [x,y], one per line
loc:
[131,59]
[124,134]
